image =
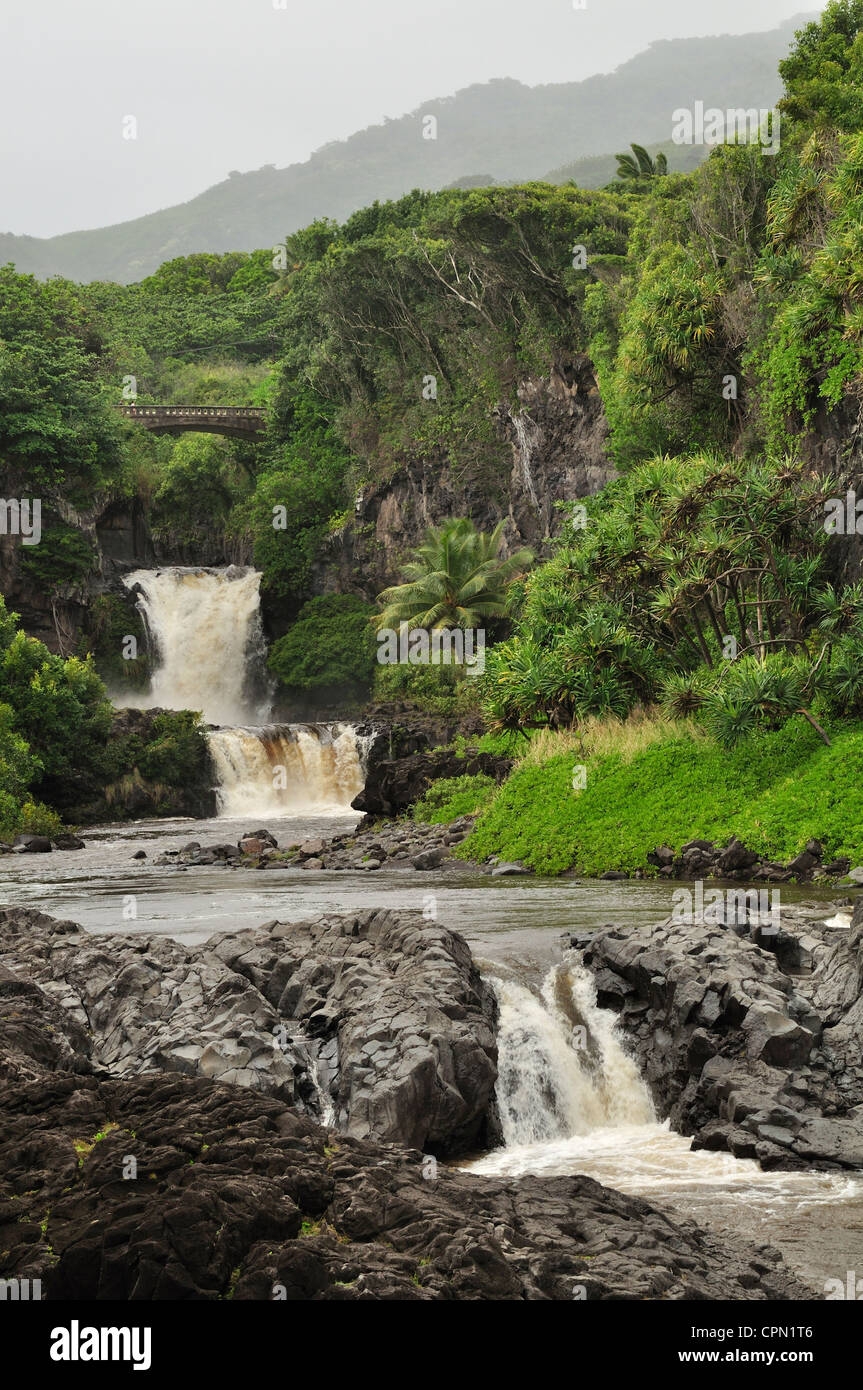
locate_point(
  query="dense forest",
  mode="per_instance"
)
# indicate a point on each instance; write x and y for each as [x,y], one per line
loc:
[721,314]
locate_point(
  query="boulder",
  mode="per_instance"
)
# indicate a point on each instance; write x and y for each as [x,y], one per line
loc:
[394,784]
[774,1037]
[662,856]
[68,842]
[31,844]
[736,858]
[747,1040]
[429,858]
[803,863]
[402,1022]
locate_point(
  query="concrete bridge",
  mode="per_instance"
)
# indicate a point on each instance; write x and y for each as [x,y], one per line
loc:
[236,421]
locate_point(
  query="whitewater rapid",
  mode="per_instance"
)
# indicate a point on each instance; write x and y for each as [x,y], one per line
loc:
[572,1102]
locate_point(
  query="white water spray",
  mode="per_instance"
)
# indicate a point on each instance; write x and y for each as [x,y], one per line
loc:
[572,1101]
[562,1069]
[287,770]
[205,626]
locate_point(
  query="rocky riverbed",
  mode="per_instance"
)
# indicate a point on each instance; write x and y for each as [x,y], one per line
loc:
[748,1035]
[158,1137]
[372,844]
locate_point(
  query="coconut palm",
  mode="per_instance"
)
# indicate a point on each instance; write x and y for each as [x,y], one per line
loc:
[457,579]
[639,165]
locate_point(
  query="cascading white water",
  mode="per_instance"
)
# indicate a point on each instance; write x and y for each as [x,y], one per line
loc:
[287,770]
[205,626]
[561,1067]
[573,1101]
[526,433]
[206,634]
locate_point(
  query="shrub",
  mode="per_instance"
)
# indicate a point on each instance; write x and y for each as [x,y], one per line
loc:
[451,797]
[330,644]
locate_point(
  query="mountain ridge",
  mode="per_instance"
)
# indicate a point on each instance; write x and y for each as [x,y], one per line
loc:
[513,131]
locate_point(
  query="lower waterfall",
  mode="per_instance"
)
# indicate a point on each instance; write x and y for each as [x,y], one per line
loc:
[207,643]
[287,769]
[562,1069]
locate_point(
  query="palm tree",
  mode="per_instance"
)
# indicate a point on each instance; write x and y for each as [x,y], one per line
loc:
[639,165]
[457,579]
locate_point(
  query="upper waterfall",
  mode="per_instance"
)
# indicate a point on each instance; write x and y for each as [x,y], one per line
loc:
[205,629]
[207,641]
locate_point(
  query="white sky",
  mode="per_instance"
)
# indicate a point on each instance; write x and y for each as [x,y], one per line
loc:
[233,84]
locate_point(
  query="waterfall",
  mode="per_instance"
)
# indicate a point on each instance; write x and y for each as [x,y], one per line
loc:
[207,639]
[562,1069]
[526,438]
[287,769]
[205,630]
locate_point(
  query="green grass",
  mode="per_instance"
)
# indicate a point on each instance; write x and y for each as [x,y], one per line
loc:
[451,797]
[774,791]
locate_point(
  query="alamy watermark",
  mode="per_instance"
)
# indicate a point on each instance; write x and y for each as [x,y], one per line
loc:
[21,1290]
[21,516]
[77,1343]
[697,125]
[851,1289]
[443,646]
[727,907]
[843,516]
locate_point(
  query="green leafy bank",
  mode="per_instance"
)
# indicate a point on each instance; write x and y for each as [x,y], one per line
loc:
[774,791]
[66,755]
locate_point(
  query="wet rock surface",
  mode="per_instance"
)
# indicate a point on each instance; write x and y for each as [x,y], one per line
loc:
[378,1019]
[700,859]
[748,1035]
[394,784]
[163,1186]
[404,844]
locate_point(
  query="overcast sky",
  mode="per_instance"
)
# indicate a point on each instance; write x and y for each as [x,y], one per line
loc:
[216,85]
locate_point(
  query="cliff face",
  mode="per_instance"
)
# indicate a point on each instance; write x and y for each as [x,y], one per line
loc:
[557,440]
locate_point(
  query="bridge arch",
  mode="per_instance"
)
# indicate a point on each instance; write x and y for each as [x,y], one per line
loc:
[235,421]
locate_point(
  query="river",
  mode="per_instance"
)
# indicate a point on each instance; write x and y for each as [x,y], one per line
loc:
[515,928]
[564,1110]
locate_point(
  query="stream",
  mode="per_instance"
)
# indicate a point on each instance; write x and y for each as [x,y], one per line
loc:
[558,1122]
[565,1108]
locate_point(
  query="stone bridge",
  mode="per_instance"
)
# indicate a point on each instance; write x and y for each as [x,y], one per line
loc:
[237,421]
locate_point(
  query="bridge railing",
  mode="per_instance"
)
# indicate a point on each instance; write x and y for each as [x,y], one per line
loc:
[166,412]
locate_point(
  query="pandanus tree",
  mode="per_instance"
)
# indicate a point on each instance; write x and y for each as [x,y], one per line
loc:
[459,578]
[697,568]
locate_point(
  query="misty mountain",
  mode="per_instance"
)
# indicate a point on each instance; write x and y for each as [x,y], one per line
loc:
[501,130]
